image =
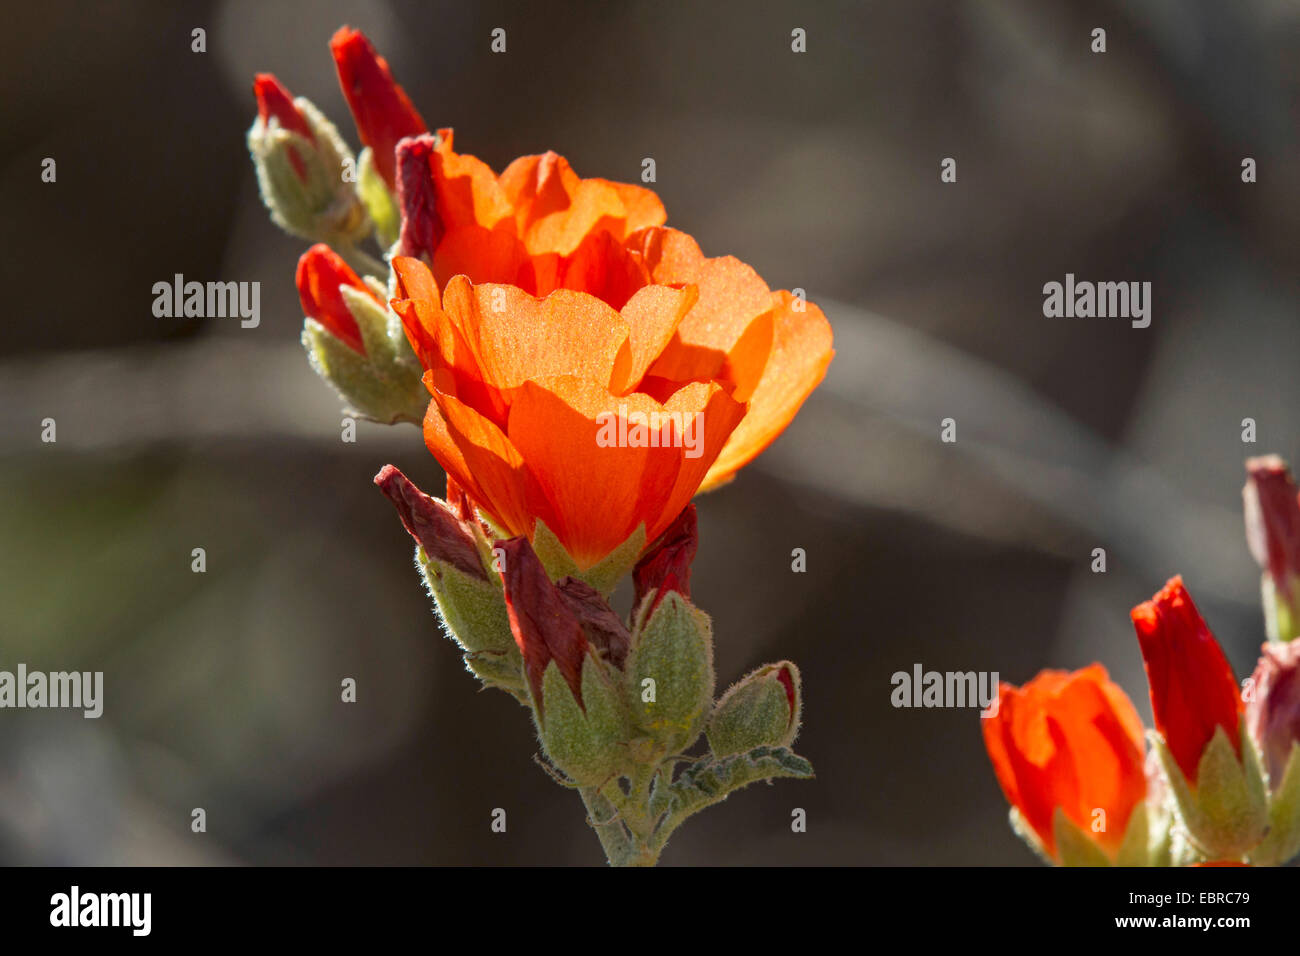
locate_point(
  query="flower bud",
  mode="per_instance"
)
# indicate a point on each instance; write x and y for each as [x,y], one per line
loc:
[581,720]
[422,227]
[762,709]
[300,160]
[603,628]
[321,275]
[471,603]
[383,113]
[669,673]
[355,343]
[1273,712]
[666,567]
[1067,749]
[1212,767]
[1272,510]
[1193,691]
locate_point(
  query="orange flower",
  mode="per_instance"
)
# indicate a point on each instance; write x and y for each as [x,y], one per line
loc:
[540,227]
[539,409]
[1069,740]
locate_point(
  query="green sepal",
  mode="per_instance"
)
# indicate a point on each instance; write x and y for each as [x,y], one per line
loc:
[604,575]
[1074,847]
[584,741]
[674,649]
[384,385]
[1283,839]
[473,611]
[379,202]
[755,712]
[555,559]
[1226,813]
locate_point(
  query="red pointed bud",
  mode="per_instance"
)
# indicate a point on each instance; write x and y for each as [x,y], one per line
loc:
[667,566]
[421,225]
[600,625]
[1192,688]
[1273,712]
[433,524]
[543,625]
[320,273]
[273,100]
[383,113]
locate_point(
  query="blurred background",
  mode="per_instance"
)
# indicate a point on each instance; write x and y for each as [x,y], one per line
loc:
[822,171]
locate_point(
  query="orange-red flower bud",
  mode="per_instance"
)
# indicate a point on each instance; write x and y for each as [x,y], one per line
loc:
[1193,691]
[383,113]
[321,271]
[1073,741]
[274,100]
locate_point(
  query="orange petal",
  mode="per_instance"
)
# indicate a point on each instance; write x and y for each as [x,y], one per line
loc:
[801,351]
[602,267]
[475,452]
[467,190]
[538,186]
[732,298]
[517,337]
[594,206]
[642,207]
[600,490]
[652,317]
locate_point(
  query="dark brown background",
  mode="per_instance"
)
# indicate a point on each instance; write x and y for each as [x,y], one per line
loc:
[821,170]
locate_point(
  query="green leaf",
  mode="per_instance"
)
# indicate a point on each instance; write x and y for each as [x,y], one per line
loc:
[711,780]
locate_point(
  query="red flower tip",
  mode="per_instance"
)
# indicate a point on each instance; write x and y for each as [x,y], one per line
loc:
[543,625]
[1272,509]
[667,566]
[274,100]
[1192,688]
[432,523]
[320,273]
[381,109]
[421,225]
[601,626]
[787,681]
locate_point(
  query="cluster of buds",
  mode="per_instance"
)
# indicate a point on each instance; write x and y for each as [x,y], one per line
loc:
[617,704]
[1221,782]
[314,188]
